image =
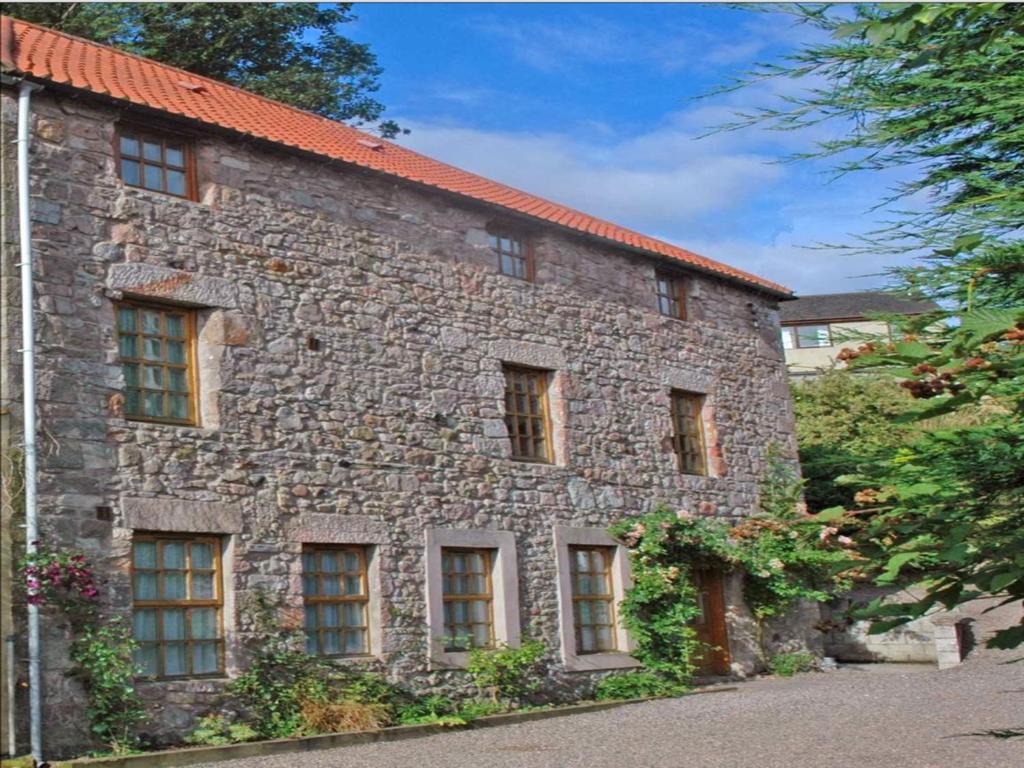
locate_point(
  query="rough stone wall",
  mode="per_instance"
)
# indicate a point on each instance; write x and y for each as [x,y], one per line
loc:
[395,422]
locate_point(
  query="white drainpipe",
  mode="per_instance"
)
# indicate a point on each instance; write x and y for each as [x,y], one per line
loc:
[29,411]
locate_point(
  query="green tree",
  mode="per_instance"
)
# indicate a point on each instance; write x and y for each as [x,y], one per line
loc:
[935,90]
[842,420]
[291,52]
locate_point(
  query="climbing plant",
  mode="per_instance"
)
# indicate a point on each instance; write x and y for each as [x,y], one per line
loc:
[785,556]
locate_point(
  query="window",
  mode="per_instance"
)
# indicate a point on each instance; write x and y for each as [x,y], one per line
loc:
[468,597]
[593,602]
[804,336]
[688,432]
[336,598]
[155,347]
[156,162]
[671,294]
[515,257]
[176,605]
[526,413]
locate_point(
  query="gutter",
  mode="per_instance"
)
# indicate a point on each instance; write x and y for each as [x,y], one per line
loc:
[25,89]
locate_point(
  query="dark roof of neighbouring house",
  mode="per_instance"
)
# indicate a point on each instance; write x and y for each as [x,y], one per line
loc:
[46,54]
[849,306]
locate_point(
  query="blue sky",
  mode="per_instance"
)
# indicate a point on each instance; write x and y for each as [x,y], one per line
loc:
[593,105]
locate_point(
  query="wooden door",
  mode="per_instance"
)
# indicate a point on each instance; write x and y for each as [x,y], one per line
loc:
[710,624]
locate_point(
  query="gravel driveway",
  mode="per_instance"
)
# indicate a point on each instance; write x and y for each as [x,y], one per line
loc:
[872,716]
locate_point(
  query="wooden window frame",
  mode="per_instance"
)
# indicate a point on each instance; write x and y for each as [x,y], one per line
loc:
[607,597]
[525,249]
[487,555]
[543,378]
[155,135]
[679,433]
[160,605]
[320,600]
[676,295]
[190,365]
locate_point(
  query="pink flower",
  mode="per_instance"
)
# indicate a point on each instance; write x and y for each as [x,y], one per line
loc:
[684,514]
[844,540]
[827,532]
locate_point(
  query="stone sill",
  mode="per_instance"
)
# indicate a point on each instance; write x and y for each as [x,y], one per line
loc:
[194,755]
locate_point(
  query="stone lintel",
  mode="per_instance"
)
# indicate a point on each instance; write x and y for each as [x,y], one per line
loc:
[156,282]
[528,353]
[181,515]
[328,528]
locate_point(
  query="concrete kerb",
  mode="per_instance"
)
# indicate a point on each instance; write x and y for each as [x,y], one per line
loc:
[194,755]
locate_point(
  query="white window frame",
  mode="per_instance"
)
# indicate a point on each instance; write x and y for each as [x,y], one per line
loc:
[566,537]
[504,588]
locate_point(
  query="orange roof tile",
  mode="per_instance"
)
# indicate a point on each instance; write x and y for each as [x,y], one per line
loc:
[39,52]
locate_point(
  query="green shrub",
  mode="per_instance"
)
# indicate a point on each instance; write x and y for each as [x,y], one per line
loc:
[216,731]
[636,685]
[429,709]
[506,672]
[471,710]
[104,661]
[270,692]
[788,664]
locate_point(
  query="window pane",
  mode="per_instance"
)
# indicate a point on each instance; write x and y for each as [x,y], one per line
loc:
[309,585]
[152,349]
[127,346]
[351,562]
[330,616]
[153,177]
[481,635]
[353,614]
[174,554]
[152,151]
[204,623]
[144,624]
[332,641]
[174,585]
[130,172]
[147,657]
[175,156]
[330,586]
[202,586]
[150,322]
[153,377]
[311,643]
[131,375]
[353,585]
[355,642]
[329,562]
[204,658]
[129,146]
[178,407]
[173,624]
[176,182]
[202,555]
[174,659]
[175,325]
[153,404]
[131,402]
[145,554]
[175,351]
[126,319]
[145,586]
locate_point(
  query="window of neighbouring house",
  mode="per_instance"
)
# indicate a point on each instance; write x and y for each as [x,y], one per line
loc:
[671,295]
[515,256]
[806,336]
[177,600]
[526,413]
[593,601]
[335,593]
[468,597]
[155,345]
[156,162]
[688,432]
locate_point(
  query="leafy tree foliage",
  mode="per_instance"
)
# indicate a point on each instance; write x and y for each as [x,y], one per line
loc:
[291,52]
[842,421]
[936,89]
[933,88]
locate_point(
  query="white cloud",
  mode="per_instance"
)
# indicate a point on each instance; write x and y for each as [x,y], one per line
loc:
[653,181]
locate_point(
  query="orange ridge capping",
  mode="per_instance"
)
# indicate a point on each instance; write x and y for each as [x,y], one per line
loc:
[45,54]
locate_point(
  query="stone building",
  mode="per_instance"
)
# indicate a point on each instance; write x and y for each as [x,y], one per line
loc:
[277,356]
